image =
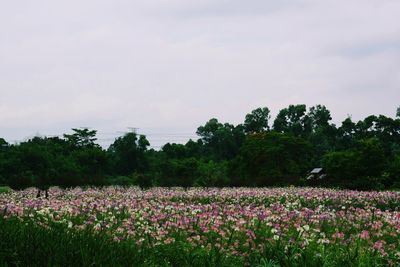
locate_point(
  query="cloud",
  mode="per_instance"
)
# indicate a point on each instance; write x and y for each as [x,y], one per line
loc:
[172,65]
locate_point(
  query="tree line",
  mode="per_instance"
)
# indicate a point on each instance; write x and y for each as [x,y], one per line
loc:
[361,154]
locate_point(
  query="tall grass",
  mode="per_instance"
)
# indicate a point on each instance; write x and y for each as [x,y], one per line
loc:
[24,243]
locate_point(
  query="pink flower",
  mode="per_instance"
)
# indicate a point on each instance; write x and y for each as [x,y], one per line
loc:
[339,235]
[379,246]
[364,235]
[251,234]
[377,225]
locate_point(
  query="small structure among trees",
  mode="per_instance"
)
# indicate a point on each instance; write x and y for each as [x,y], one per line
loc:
[316,174]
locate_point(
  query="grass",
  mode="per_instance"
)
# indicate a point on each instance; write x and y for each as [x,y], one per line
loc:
[24,243]
[5,189]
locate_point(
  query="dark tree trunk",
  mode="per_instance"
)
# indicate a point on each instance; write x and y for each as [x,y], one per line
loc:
[38,194]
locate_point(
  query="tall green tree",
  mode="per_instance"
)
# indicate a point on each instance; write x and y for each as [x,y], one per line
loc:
[294,120]
[271,158]
[221,141]
[175,151]
[82,137]
[387,130]
[3,144]
[87,161]
[127,154]
[257,120]
[195,148]
[360,167]
[323,133]
[92,163]
[33,162]
[319,117]
[179,172]
[347,134]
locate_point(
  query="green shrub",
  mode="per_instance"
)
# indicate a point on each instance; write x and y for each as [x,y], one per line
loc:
[5,189]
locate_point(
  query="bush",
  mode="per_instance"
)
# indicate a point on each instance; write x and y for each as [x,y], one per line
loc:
[212,174]
[21,181]
[359,168]
[5,189]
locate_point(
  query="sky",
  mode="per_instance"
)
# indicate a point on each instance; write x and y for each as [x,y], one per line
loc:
[168,66]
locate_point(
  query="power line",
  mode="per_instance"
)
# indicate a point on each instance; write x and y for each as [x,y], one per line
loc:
[105,137]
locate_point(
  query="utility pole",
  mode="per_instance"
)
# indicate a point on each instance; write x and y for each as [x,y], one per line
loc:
[133,129]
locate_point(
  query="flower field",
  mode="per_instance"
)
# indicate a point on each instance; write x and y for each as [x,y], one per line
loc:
[243,226]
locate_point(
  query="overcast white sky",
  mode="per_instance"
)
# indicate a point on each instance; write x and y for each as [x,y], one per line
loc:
[167,66]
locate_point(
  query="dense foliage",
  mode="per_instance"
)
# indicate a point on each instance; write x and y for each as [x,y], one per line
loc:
[356,155]
[127,226]
[77,247]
